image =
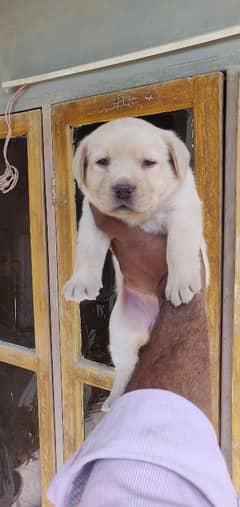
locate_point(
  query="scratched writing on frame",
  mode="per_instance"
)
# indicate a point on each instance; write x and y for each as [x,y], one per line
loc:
[124,102]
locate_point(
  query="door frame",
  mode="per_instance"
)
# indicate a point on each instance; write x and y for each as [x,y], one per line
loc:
[235,413]
[39,359]
[204,95]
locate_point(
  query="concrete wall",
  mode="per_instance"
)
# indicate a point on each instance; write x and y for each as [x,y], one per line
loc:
[39,36]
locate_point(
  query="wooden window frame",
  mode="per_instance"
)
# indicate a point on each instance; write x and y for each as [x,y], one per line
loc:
[235,414]
[203,94]
[37,360]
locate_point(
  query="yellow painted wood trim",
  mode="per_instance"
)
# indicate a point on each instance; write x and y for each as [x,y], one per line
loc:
[145,100]
[29,125]
[236,332]
[69,315]
[41,300]
[16,355]
[207,112]
[94,374]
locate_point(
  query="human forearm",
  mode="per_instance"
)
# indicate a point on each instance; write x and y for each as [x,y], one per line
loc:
[177,355]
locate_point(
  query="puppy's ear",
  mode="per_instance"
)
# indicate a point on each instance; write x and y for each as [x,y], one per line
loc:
[178,152]
[80,163]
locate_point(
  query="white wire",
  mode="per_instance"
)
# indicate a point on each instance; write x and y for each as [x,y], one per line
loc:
[10,175]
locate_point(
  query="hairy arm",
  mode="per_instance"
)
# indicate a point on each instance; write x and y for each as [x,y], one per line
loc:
[177,356]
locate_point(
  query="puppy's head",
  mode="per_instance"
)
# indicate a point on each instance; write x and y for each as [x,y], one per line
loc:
[128,168]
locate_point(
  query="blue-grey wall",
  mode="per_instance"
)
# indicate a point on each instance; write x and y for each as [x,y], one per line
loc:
[38,36]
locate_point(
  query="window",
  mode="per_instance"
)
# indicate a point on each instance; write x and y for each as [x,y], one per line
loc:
[183,105]
[26,401]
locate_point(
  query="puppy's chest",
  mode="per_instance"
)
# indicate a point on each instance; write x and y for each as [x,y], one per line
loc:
[157,224]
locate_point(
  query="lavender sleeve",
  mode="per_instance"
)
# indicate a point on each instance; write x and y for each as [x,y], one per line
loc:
[153,448]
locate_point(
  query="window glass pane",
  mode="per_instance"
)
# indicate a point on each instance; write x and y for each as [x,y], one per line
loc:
[95,319]
[16,301]
[95,314]
[19,438]
[93,400]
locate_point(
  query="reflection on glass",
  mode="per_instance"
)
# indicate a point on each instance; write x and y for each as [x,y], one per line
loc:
[95,314]
[95,317]
[19,438]
[93,399]
[16,303]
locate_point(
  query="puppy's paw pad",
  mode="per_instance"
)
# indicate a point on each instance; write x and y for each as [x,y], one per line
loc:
[77,290]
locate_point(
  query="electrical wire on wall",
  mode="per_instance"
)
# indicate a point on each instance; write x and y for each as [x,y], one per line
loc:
[9,177]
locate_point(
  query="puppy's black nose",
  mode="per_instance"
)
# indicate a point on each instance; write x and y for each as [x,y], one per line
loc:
[123,191]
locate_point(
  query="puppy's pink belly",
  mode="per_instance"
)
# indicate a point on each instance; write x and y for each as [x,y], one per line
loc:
[139,308]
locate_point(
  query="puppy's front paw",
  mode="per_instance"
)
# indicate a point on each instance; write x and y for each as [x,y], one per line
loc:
[183,284]
[77,289]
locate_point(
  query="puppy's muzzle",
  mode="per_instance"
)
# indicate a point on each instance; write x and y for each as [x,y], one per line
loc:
[123,192]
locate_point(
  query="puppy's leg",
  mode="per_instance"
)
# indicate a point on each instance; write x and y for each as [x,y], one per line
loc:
[132,319]
[183,256]
[92,247]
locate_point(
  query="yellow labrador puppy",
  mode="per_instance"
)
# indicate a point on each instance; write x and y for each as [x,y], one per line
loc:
[140,174]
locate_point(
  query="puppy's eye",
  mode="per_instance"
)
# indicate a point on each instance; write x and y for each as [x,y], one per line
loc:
[103,162]
[148,163]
